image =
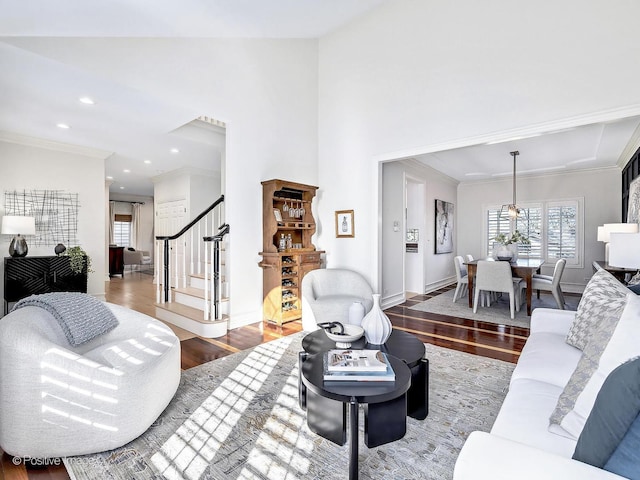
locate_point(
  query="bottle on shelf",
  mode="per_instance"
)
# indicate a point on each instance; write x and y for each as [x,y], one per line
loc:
[283,243]
[289,242]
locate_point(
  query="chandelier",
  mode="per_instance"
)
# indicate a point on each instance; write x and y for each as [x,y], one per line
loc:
[512,209]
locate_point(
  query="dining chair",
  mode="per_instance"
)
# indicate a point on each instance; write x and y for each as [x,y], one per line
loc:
[468,257]
[461,276]
[495,276]
[550,283]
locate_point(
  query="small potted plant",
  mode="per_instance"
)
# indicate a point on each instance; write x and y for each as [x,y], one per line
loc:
[77,257]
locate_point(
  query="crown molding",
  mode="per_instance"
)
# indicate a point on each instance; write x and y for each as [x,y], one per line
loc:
[521,132]
[11,137]
[631,148]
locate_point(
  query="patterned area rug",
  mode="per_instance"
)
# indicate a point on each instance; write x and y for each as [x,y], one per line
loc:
[498,312]
[238,418]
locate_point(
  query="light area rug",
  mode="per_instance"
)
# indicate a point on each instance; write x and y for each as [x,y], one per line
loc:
[497,312]
[238,418]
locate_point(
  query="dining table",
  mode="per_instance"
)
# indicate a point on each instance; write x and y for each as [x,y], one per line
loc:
[522,267]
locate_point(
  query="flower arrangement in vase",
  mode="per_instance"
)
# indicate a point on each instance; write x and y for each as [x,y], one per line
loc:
[508,249]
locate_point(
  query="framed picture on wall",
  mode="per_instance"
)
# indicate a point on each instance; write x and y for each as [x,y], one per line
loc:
[444,227]
[344,224]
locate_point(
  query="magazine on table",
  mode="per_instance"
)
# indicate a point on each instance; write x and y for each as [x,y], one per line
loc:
[350,360]
[355,366]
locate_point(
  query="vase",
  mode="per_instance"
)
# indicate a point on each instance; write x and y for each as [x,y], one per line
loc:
[356,313]
[377,326]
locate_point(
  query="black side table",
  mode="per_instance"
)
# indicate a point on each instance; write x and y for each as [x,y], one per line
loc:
[385,406]
[402,345]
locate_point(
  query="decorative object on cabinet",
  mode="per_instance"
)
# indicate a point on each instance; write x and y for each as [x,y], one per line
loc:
[377,326]
[288,253]
[18,226]
[444,227]
[24,276]
[345,227]
[59,249]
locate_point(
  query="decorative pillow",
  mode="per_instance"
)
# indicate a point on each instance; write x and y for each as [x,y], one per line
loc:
[587,365]
[635,288]
[617,406]
[623,345]
[602,293]
[625,461]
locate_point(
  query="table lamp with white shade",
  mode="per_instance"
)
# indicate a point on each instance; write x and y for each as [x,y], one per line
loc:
[18,226]
[624,252]
[605,231]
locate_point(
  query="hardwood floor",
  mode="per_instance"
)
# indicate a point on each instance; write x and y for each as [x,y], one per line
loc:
[136,291]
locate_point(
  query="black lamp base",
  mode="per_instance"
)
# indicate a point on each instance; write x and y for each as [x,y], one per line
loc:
[18,247]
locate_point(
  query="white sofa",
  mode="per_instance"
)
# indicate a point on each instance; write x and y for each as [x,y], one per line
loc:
[59,400]
[522,444]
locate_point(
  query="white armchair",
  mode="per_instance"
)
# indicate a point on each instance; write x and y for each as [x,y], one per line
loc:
[327,295]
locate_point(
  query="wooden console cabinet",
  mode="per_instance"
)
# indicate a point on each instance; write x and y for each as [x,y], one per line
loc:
[25,276]
[284,268]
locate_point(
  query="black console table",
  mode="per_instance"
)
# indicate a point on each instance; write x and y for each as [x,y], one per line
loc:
[25,276]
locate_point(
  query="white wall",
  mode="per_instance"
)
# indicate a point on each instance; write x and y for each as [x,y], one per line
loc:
[413,75]
[437,269]
[36,165]
[415,261]
[602,199]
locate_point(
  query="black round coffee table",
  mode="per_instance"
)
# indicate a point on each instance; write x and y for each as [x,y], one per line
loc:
[385,411]
[402,345]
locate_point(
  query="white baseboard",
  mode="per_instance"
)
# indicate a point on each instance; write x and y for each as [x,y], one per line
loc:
[431,287]
[392,300]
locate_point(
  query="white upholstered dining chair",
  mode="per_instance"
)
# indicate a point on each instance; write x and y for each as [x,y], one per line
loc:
[550,283]
[461,276]
[495,276]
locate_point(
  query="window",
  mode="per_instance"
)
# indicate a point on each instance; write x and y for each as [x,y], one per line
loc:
[122,230]
[553,227]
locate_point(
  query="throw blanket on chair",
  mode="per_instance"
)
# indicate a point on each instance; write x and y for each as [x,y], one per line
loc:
[81,316]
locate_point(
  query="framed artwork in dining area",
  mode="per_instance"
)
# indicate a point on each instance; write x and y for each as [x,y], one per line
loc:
[443,227]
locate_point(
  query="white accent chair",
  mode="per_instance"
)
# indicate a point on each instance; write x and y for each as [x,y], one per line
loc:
[461,276]
[328,293]
[550,283]
[495,276]
[57,400]
[136,257]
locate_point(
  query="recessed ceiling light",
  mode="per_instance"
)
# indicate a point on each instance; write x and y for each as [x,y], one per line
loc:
[63,125]
[121,188]
[175,150]
[475,174]
[87,100]
[148,162]
[109,177]
[126,170]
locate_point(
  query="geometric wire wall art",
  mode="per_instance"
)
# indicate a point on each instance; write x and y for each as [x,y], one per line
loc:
[55,211]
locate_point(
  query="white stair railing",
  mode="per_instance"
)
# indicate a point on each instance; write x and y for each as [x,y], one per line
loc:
[192,251]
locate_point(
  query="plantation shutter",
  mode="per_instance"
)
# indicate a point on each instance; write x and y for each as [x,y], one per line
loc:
[529,224]
[561,231]
[496,225]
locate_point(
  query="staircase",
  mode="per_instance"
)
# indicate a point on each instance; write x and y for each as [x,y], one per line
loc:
[191,286]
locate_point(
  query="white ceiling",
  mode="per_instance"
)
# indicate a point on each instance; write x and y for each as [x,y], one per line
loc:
[38,92]
[591,146]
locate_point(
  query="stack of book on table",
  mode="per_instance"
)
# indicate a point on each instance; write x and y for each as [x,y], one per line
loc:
[350,365]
